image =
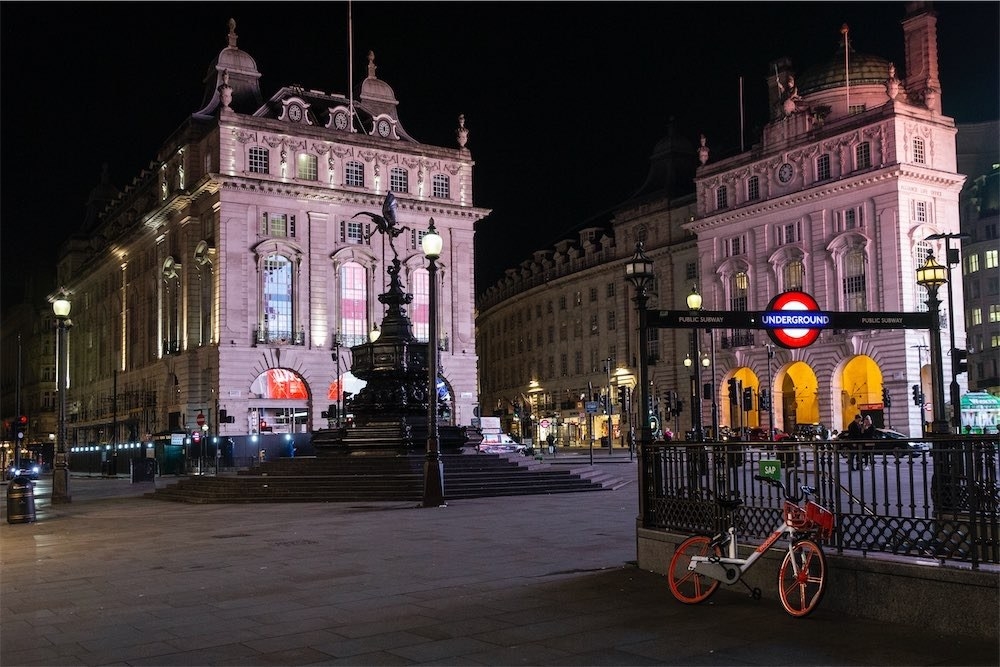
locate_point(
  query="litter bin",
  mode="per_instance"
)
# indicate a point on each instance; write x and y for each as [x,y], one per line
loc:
[20,500]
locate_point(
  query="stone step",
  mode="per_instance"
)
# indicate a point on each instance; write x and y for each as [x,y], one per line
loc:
[359,478]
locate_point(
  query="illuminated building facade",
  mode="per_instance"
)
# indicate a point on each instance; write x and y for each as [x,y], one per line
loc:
[227,283]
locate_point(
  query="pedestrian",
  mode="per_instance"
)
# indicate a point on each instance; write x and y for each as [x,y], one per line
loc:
[868,434]
[854,434]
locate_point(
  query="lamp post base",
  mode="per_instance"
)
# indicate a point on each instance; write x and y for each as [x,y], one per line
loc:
[60,486]
[433,477]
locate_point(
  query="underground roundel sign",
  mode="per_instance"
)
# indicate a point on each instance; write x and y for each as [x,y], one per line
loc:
[793,320]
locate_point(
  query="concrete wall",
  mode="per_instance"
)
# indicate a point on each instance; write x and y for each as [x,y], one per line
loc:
[952,599]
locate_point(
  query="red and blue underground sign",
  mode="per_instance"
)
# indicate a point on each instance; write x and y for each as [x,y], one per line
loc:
[793,320]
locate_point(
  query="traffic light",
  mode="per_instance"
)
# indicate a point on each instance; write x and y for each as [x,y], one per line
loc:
[764,399]
[706,391]
[748,399]
[959,359]
[20,427]
[886,399]
[622,397]
[918,396]
[732,390]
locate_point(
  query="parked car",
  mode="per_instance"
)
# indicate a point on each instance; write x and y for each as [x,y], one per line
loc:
[760,435]
[500,443]
[888,440]
[28,469]
[809,432]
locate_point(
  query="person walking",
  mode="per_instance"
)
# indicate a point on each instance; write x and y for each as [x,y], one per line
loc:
[868,434]
[854,434]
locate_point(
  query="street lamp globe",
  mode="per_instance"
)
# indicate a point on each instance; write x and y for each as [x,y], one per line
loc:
[687,361]
[61,307]
[694,299]
[932,275]
[639,270]
[431,243]
[705,361]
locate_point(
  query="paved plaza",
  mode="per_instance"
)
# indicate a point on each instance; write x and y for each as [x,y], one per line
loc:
[118,579]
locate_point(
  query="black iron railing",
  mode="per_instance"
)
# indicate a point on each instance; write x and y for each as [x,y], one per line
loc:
[939,499]
[268,335]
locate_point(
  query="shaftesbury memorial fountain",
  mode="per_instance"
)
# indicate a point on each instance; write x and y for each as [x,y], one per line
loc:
[390,412]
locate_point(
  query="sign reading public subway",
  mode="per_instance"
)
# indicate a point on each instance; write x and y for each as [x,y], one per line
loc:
[792,320]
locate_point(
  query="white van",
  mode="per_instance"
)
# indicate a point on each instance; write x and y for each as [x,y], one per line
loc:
[500,443]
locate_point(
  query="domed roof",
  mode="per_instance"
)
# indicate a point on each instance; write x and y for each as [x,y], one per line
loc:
[865,69]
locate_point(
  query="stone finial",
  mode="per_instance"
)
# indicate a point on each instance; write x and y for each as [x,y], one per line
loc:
[371,65]
[892,83]
[461,134]
[232,34]
[703,150]
[225,90]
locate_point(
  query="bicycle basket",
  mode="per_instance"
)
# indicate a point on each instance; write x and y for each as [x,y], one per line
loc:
[821,520]
[795,516]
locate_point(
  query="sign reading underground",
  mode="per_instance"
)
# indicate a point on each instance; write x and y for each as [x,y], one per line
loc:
[793,320]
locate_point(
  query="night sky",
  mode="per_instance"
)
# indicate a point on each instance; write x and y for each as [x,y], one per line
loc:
[564,101]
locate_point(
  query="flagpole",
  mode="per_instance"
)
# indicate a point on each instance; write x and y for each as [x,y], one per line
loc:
[847,68]
[350,64]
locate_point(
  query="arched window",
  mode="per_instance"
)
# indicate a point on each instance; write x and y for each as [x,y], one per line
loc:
[420,306]
[278,298]
[353,304]
[441,186]
[722,197]
[791,276]
[855,299]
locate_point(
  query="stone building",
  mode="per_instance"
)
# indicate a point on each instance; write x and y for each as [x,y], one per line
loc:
[854,170]
[226,284]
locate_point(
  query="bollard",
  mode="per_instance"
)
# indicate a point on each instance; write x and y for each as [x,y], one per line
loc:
[20,500]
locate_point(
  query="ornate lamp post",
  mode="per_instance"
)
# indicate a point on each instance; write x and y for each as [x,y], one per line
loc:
[60,474]
[932,276]
[694,304]
[956,398]
[639,272]
[433,465]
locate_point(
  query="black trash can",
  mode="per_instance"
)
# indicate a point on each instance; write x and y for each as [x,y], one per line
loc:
[20,500]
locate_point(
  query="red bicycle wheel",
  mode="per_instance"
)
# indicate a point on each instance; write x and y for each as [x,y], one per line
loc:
[687,586]
[802,578]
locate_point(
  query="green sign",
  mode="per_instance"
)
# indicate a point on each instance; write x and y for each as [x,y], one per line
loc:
[770,469]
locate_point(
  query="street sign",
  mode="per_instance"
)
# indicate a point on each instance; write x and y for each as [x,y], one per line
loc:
[544,423]
[591,407]
[771,469]
[750,319]
[200,419]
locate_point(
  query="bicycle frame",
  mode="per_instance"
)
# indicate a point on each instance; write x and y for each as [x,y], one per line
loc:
[722,568]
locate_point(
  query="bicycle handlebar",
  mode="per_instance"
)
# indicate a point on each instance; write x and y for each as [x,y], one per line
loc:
[806,490]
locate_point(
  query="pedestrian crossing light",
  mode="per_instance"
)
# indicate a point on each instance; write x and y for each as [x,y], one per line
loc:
[886,399]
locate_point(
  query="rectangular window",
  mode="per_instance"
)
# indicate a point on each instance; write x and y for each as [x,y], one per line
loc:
[991,259]
[610,291]
[994,314]
[563,332]
[354,174]
[399,180]
[920,212]
[593,294]
[976,318]
[990,231]
[736,245]
[562,302]
[856,109]
[972,263]
[753,188]
[305,167]
[863,155]
[578,362]
[823,167]
[854,282]
[919,156]
[277,224]
[552,334]
[355,232]
[690,271]
[441,186]
[259,159]
[563,364]
[790,233]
